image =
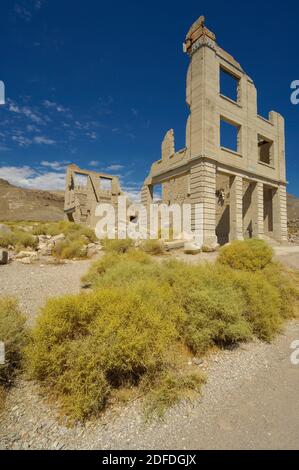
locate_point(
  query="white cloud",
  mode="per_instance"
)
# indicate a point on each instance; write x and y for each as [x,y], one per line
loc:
[32,128]
[21,140]
[57,107]
[28,177]
[92,135]
[25,111]
[115,167]
[93,163]
[55,165]
[43,140]
[22,12]
[133,196]
[26,10]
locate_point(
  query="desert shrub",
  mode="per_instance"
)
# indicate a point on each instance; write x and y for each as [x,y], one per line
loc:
[99,267]
[18,238]
[168,389]
[114,269]
[214,307]
[25,240]
[117,246]
[248,255]
[6,240]
[69,249]
[14,336]
[154,247]
[2,398]
[83,346]
[224,305]
[126,272]
[71,230]
[287,287]
[269,299]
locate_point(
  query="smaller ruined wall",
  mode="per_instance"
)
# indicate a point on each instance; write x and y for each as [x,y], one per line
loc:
[85,190]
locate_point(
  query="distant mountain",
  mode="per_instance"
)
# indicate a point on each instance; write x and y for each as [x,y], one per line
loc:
[37,205]
[29,204]
[293,207]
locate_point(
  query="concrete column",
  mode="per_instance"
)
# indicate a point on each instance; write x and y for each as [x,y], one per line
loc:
[280,229]
[258,210]
[202,190]
[236,209]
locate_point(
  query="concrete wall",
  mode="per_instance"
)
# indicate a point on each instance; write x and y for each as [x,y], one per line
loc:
[203,158]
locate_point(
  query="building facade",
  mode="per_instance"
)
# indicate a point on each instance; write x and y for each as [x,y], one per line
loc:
[234,160]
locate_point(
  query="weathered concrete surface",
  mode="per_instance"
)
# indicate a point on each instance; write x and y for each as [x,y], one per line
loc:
[242,189]
[85,190]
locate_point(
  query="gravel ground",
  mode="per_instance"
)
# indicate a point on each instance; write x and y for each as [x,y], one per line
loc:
[33,284]
[250,400]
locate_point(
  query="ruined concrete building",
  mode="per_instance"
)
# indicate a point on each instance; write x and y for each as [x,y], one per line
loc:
[241,182]
[85,190]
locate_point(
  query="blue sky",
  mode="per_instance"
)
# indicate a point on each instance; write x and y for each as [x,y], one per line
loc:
[99,83]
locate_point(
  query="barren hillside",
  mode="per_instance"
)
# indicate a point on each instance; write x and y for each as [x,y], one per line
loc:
[32,204]
[28,204]
[293,207]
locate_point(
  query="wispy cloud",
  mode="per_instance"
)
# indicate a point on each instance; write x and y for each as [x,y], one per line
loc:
[57,166]
[57,107]
[25,9]
[42,140]
[21,140]
[25,111]
[115,167]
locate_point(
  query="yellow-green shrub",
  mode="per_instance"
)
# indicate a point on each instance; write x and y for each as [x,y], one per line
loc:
[214,307]
[154,247]
[168,389]
[248,255]
[269,299]
[117,246]
[71,230]
[7,239]
[14,336]
[69,249]
[82,346]
[117,265]
[18,238]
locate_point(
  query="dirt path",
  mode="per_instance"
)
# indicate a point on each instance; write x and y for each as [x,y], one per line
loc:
[250,401]
[33,284]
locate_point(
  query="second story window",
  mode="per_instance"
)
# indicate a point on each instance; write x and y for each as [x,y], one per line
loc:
[230,134]
[229,85]
[265,150]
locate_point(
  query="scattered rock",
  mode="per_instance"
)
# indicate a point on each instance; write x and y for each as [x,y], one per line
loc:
[58,238]
[192,248]
[4,257]
[210,247]
[26,254]
[26,257]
